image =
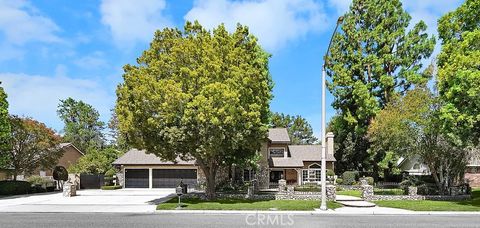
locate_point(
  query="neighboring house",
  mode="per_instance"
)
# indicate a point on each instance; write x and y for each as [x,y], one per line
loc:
[70,156]
[414,166]
[297,164]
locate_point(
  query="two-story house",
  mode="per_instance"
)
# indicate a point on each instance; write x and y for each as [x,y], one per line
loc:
[297,164]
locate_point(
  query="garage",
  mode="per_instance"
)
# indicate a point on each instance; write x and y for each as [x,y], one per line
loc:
[136,178]
[170,178]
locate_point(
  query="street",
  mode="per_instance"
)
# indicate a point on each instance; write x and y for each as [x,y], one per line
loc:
[119,220]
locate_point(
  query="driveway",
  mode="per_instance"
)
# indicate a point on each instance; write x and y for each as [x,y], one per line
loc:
[92,200]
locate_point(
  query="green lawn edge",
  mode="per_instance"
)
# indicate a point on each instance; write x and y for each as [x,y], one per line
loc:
[245,204]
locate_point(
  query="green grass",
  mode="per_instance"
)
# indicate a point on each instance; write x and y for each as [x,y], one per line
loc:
[356,193]
[111,187]
[431,205]
[243,204]
[392,191]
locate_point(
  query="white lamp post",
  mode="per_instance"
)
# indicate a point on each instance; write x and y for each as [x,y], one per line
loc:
[323,205]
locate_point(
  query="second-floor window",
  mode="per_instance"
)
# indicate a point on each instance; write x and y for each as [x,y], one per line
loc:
[277,152]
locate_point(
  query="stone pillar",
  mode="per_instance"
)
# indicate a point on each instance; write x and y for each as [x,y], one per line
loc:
[412,191]
[69,189]
[120,179]
[331,193]
[282,184]
[75,179]
[367,192]
[330,147]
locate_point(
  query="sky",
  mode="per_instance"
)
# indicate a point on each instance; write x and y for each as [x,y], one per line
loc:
[54,49]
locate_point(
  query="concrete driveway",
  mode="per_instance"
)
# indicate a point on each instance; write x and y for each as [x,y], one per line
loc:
[94,200]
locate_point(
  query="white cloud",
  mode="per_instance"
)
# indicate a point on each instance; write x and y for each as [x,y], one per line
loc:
[341,6]
[38,96]
[22,23]
[93,61]
[274,22]
[133,21]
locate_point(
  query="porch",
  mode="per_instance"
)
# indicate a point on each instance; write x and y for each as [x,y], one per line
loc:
[295,176]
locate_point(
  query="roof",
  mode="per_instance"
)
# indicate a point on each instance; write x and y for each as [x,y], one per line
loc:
[278,135]
[140,157]
[300,154]
[63,145]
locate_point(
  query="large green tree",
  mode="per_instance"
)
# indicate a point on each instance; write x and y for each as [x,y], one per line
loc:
[459,71]
[410,126]
[5,130]
[82,122]
[299,130]
[200,95]
[34,146]
[96,161]
[372,59]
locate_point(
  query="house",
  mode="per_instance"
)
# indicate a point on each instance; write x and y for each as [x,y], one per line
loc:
[297,164]
[414,166]
[70,156]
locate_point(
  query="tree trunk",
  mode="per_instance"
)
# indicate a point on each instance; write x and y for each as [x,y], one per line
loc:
[210,188]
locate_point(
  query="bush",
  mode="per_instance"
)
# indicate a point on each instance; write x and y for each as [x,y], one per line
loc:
[350,177]
[339,180]
[14,187]
[37,189]
[111,187]
[110,173]
[36,180]
[308,188]
[60,173]
[330,173]
[369,180]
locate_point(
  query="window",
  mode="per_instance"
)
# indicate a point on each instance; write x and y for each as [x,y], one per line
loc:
[248,175]
[277,152]
[311,175]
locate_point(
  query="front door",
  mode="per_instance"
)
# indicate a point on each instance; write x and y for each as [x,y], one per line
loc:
[275,176]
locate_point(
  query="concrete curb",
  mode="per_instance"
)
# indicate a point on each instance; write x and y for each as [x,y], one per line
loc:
[329,212]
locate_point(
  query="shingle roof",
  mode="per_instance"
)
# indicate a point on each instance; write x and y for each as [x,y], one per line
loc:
[285,162]
[139,157]
[278,135]
[63,145]
[308,153]
[300,154]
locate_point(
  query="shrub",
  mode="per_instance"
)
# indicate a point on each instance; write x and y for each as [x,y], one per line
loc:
[339,180]
[330,173]
[60,173]
[308,188]
[110,173]
[369,180]
[14,187]
[111,187]
[36,180]
[350,177]
[37,189]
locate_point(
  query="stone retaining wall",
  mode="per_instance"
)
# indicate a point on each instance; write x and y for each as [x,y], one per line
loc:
[288,195]
[368,195]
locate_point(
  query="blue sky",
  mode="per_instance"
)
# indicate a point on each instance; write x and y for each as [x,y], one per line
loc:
[54,49]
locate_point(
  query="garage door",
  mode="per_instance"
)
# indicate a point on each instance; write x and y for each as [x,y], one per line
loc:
[136,178]
[170,178]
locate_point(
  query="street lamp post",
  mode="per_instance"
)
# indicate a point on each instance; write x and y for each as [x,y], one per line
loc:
[323,205]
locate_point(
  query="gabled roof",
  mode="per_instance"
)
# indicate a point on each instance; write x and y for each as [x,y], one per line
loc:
[300,154]
[139,157]
[63,145]
[278,135]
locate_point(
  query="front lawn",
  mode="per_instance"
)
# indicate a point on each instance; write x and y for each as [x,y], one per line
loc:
[243,204]
[431,205]
[356,193]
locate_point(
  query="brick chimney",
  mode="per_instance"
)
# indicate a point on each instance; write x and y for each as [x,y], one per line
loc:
[330,150]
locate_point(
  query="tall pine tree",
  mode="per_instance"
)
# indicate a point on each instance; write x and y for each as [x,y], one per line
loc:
[373,58]
[5,129]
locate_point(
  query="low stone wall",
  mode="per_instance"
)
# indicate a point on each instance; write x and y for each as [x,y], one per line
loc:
[350,187]
[368,195]
[288,195]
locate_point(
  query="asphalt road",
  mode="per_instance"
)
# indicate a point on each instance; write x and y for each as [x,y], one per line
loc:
[119,220]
